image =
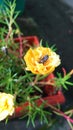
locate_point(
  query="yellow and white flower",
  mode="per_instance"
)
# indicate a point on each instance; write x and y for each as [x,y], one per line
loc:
[6,105]
[34,56]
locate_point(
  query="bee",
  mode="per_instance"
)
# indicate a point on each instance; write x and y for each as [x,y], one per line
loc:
[44,59]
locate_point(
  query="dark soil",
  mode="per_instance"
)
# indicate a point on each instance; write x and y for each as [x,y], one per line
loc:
[50,20]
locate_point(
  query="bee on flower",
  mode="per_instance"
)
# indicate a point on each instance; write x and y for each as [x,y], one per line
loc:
[41,60]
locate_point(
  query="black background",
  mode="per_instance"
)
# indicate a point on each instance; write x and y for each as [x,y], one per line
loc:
[51,21]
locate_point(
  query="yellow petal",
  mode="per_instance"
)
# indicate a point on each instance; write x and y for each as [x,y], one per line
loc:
[33,56]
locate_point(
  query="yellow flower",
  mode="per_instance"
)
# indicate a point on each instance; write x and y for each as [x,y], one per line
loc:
[41,60]
[6,105]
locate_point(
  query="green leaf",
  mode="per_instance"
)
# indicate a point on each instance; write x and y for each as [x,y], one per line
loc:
[37,88]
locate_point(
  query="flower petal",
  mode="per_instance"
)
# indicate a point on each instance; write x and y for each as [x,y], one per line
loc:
[33,57]
[6,105]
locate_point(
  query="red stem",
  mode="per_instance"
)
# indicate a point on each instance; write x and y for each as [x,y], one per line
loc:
[21,48]
[8,35]
[60,112]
